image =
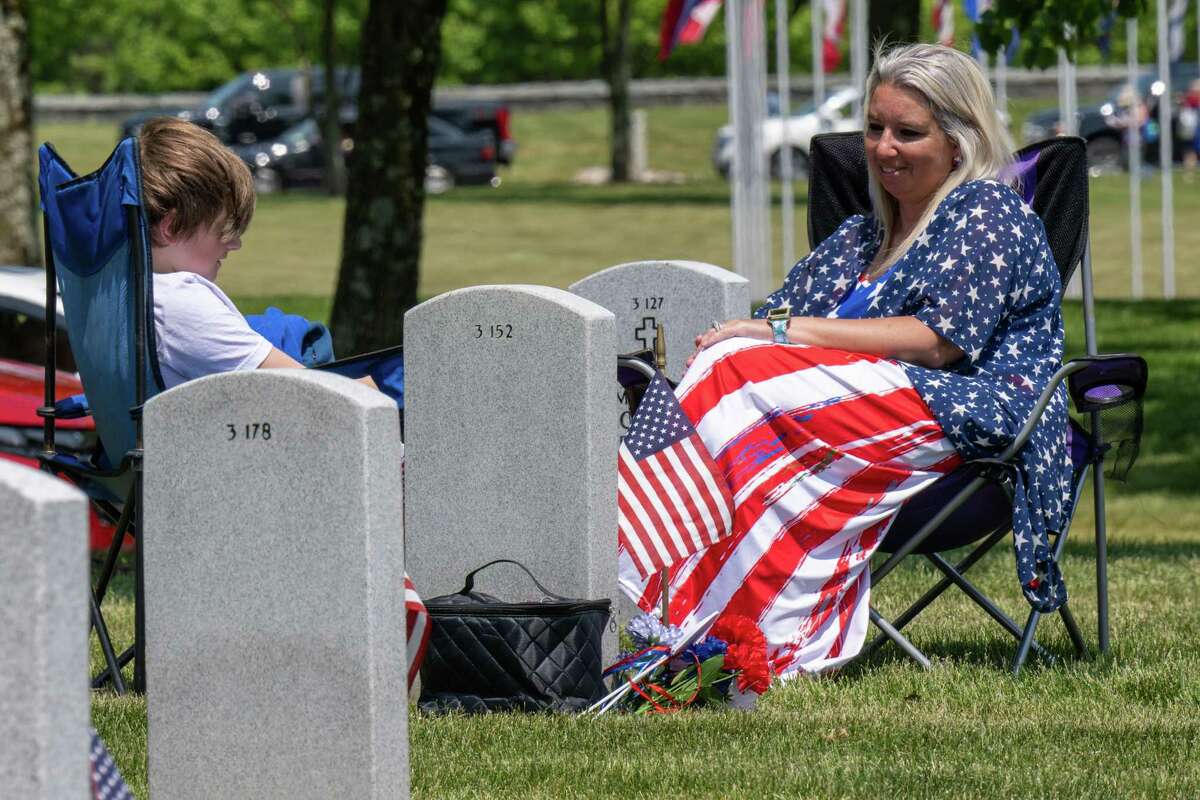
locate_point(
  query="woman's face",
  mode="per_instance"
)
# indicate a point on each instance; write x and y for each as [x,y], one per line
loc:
[907,150]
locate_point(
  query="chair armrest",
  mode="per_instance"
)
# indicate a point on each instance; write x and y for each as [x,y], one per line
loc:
[1094,382]
[72,407]
[1107,381]
[77,468]
[634,368]
[1039,408]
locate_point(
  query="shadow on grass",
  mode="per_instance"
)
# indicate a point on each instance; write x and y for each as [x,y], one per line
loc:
[994,653]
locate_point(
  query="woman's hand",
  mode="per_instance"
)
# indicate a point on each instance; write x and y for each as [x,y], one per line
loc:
[748,328]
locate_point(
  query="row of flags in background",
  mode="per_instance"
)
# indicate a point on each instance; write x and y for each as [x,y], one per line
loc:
[685,21]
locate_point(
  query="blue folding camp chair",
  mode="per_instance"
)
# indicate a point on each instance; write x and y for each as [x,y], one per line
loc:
[98,256]
[973,504]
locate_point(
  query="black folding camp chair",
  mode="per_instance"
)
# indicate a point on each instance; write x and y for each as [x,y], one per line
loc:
[973,504]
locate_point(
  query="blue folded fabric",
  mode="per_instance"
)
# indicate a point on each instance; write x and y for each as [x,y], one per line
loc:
[311,344]
[387,370]
[304,340]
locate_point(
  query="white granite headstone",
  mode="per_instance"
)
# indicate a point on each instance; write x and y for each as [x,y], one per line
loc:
[43,637]
[685,297]
[274,579]
[511,442]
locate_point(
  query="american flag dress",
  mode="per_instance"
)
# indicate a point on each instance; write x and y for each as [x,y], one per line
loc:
[821,447]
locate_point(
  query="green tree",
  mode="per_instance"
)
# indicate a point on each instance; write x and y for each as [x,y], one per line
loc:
[381,240]
[18,240]
[331,124]
[1047,25]
[897,20]
[616,67]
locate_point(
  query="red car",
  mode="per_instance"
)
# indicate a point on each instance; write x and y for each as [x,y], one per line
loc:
[22,300]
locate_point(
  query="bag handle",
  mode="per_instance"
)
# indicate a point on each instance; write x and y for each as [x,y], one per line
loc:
[469,586]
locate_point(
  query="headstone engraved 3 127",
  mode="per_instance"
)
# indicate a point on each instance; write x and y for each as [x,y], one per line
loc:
[685,297]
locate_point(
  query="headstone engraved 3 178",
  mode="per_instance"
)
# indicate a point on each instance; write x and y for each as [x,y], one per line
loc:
[274,569]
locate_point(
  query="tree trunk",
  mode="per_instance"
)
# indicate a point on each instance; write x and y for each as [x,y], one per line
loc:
[381,240]
[18,237]
[331,124]
[898,20]
[618,71]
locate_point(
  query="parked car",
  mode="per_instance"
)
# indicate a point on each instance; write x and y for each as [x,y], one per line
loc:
[22,348]
[1103,125]
[835,114]
[297,158]
[259,106]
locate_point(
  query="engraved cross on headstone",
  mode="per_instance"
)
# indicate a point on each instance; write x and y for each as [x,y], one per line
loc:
[645,333]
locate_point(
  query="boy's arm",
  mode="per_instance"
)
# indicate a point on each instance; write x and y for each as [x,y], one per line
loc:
[277,359]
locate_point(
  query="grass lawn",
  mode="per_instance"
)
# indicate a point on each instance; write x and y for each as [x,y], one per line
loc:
[1124,725]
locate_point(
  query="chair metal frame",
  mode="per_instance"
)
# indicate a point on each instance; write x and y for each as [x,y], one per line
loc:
[996,470]
[127,515]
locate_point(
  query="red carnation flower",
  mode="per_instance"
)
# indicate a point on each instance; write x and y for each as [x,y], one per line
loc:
[747,653]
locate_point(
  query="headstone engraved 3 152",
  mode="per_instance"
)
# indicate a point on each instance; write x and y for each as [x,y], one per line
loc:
[509,442]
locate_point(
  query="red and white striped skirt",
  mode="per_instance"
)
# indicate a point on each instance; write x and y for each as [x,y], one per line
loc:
[820,448]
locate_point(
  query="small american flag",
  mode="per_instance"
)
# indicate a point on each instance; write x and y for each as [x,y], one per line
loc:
[672,500]
[106,780]
[417,629]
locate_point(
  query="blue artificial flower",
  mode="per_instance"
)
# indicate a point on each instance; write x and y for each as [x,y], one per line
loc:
[646,629]
[706,648]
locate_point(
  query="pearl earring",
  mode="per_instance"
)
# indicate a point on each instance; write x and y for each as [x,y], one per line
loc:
[956,163]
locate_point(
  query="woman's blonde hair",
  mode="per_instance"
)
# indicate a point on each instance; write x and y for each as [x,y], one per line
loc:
[962,104]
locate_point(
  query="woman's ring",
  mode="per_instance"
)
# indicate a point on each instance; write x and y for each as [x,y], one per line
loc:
[716,326]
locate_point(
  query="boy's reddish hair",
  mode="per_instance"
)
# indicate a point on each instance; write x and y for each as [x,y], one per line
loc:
[187,170]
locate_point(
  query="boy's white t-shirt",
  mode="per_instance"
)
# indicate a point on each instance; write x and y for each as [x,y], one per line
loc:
[199,331]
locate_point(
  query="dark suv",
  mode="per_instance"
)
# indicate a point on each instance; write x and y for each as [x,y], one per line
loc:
[259,106]
[296,158]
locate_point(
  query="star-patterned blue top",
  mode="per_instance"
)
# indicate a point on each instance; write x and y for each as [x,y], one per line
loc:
[981,274]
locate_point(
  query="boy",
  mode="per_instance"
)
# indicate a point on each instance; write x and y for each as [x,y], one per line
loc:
[199,198]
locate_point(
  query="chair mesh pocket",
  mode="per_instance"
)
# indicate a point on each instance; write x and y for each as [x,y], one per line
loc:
[1117,422]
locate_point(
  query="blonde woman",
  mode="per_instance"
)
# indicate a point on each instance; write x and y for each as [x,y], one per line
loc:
[909,340]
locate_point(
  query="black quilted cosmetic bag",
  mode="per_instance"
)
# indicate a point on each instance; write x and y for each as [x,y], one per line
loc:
[488,655]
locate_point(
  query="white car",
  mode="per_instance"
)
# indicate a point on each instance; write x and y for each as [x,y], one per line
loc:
[835,114]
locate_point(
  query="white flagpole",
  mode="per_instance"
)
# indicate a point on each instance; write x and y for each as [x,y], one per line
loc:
[858,50]
[783,68]
[1066,94]
[1134,137]
[1165,161]
[746,69]
[817,38]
